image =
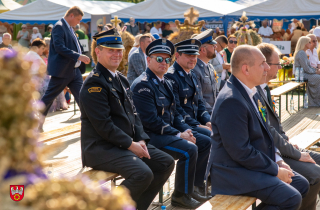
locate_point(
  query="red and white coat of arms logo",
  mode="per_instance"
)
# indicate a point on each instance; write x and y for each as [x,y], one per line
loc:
[16,192]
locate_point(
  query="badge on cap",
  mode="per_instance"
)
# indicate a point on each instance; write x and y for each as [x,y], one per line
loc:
[164,41]
[181,73]
[115,31]
[155,81]
[193,41]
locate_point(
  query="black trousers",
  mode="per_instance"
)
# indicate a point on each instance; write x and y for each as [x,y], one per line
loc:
[312,173]
[282,196]
[193,161]
[57,85]
[143,177]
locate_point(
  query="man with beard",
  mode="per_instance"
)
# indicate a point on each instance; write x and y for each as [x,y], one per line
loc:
[206,75]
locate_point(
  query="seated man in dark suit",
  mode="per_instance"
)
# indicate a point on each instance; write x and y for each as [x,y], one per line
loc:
[154,99]
[64,59]
[243,154]
[137,61]
[305,162]
[112,136]
[186,89]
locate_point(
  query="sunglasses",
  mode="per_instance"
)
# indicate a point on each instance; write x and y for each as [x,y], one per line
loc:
[160,59]
[233,42]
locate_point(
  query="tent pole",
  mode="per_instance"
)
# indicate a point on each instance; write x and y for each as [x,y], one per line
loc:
[225,24]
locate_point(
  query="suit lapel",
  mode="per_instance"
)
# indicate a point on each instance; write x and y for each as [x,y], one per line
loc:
[263,96]
[142,54]
[244,93]
[68,31]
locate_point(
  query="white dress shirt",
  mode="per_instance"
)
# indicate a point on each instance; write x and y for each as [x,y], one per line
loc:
[313,57]
[265,31]
[251,93]
[113,73]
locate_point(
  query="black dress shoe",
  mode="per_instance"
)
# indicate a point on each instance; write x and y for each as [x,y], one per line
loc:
[201,191]
[195,195]
[184,201]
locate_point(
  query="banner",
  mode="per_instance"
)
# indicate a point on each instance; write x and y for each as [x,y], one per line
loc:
[283,46]
[85,44]
[277,25]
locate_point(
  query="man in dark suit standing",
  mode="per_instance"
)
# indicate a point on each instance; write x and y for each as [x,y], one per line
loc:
[243,154]
[64,58]
[138,59]
[112,136]
[305,162]
[154,99]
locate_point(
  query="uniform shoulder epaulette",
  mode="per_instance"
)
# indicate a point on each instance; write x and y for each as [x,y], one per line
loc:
[96,73]
[171,70]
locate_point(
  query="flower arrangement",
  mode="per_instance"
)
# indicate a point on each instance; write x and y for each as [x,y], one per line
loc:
[287,62]
[21,157]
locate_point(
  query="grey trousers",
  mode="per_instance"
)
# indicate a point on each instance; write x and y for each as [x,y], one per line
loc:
[312,173]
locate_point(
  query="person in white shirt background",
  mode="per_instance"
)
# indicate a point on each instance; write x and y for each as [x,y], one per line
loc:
[265,32]
[157,29]
[35,34]
[312,52]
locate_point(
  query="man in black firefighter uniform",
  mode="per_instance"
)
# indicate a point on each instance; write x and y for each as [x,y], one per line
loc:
[112,136]
[154,100]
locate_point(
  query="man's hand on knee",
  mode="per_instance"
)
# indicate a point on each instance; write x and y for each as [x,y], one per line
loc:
[204,126]
[139,149]
[282,164]
[285,175]
[188,135]
[305,157]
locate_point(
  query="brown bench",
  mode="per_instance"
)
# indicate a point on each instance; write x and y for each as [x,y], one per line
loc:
[285,89]
[307,138]
[58,133]
[229,202]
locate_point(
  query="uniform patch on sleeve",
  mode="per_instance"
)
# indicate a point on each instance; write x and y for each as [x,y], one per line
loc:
[94,89]
[144,89]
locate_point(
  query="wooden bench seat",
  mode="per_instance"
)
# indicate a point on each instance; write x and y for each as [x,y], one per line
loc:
[228,202]
[307,138]
[285,89]
[58,133]
[97,176]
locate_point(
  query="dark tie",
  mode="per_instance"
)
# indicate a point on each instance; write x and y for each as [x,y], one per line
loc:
[269,96]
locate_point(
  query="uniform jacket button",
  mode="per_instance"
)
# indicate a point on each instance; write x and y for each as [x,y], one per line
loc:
[120,145]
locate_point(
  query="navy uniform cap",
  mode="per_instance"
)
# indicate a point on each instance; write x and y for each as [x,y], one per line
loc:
[189,46]
[206,37]
[109,39]
[160,46]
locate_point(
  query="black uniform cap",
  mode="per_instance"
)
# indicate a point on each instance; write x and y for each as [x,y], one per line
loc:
[189,46]
[206,37]
[109,39]
[160,46]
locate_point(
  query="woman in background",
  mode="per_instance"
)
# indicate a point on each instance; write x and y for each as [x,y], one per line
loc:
[312,74]
[23,36]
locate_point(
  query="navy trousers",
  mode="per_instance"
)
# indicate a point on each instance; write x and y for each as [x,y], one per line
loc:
[192,164]
[57,85]
[203,131]
[282,196]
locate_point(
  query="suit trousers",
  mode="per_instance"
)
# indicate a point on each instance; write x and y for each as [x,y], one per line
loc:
[192,164]
[57,85]
[312,173]
[143,177]
[282,195]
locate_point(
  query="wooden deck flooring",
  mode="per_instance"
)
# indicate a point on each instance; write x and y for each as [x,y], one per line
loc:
[65,158]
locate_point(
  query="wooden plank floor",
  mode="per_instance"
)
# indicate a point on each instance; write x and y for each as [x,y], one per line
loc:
[65,158]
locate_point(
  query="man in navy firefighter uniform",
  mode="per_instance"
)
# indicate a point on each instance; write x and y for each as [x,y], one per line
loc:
[154,100]
[186,88]
[112,136]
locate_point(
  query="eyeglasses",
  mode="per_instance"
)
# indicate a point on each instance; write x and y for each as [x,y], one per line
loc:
[276,64]
[23,27]
[233,42]
[160,59]
[314,41]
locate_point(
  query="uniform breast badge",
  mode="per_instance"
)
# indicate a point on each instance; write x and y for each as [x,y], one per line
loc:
[185,100]
[162,109]
[95,90]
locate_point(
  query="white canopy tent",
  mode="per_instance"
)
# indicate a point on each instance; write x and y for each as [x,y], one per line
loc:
[171,10]
[7,5]
[280,9]
[50,11]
